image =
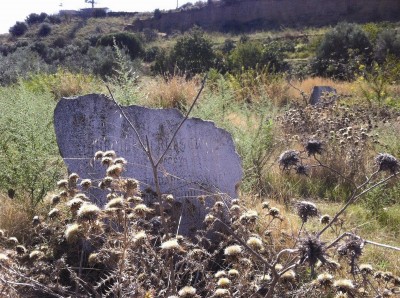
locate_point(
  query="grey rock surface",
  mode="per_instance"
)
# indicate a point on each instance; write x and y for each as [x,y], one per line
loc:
[323,95]
[201,161]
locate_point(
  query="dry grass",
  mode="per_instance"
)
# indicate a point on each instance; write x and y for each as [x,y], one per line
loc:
[173,92]
[16,217]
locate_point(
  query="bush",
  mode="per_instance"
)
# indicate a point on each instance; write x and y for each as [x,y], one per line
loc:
[131,41]
[29,155]
[193,53]
[35,18]
[341,50]
[388,43]
[18,29]
[157,14]
[19,64]
[54,19]
[254,55]
[44,30]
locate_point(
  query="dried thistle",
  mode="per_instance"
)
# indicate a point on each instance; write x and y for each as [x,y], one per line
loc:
[233,250]
[86,183]
[387,162]
[255,243]
[53,213]
[306,209]
[187,292]
[312,250]
[115,170]
[302,170]
[88,212]
[344,286]
[223,282]
[325,219]
[99,154]
[314,147]
[288,159]
[325,279]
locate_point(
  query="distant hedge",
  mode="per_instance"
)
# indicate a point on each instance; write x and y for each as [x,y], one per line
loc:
[123,40]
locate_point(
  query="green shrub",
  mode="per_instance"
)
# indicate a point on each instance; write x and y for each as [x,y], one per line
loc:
[123,39]
[341,50]
[19,64]
[35,18]
[18,29]
[193,53]
[29,153]
[388,43]
[44,30]
[254,55]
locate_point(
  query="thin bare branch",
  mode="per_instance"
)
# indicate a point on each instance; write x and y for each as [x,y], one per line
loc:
[183,121]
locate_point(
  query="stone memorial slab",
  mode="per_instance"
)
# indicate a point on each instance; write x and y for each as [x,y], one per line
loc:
[202,160]
[323,95]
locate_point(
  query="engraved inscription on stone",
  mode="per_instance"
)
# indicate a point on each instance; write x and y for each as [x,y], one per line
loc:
[323,95]
[201,161]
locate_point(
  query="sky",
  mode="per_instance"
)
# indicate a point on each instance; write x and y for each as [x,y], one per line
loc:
[17,10]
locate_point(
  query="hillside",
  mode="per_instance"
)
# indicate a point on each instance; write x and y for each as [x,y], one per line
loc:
[317,213]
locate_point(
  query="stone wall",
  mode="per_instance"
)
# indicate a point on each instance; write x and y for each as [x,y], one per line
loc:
[257,14]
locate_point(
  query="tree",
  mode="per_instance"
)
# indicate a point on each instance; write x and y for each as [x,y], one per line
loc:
[91,2]
[341,51]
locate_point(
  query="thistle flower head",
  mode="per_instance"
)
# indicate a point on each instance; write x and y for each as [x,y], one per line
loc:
[99,154]
[187,292]
[142,209]
[106,161]
[75,203]
[233,272]
[289,275]
[325,219]
[255,243]
[88,212]
[35,220]
[352,247]
[110,153]
[135,200]
[171,245]
[55,200]
[366,269]
[313,147]
[73,178]
[222,293]
[73,232]
[115,203]
[249,217]
[387,162]
[120,160]
[115,170]
[36,255]
[223,282]
[306,209]
[233,250]
[53,213]
[62,183]
[288,159]
[325,279]
[169,198]
[218,205]
[220,274]
[12,241]
[312,249]
[265,205]
[274,212]
[20,249]
[209,219]
[302,170]
[139,237]
[344,285]
[86,183]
